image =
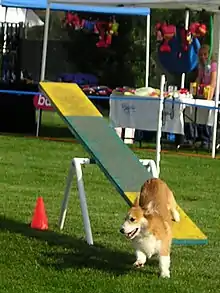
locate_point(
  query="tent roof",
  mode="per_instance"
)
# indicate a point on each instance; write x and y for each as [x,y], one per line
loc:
[209,5]
[70,5]
[132,7]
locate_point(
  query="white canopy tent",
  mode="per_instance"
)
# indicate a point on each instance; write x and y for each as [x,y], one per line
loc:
[16,15]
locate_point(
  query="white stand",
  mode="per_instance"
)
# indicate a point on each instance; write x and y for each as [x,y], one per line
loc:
[159,123]
[186,28]
[76,168]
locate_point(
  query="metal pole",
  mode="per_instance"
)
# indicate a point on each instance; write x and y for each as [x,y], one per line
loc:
[159,124]
[151,166]
[66,196]
[83,203]
[214,132]
[45,41]
[186,28]
[43,60]
[147,51]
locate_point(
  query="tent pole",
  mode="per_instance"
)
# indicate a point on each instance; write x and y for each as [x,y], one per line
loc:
[43,60]
[45,41]
[214,132]
[147,51]
[186,28]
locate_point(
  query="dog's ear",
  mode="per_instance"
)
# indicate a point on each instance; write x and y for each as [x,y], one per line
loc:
[136,201]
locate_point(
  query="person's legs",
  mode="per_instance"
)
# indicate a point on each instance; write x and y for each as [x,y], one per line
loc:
[191,131]
[206,135]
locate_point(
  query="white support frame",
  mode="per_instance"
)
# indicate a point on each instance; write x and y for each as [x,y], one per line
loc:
[76,169]
[183,76]
[217,92]
[147,64]
[159,122]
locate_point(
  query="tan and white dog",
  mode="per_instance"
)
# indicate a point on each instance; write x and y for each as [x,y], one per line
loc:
[149,224]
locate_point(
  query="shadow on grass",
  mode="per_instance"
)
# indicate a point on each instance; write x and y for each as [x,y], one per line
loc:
[45,131]
[55,131]
[75,252]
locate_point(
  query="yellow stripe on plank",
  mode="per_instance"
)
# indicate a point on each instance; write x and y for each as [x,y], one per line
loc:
[69,99]
[132,195]
[185,229]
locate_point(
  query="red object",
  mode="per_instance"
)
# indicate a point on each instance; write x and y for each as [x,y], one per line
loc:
[158,32]
[40,102]
[202,30]
[184,39]
[39,220]
[108,39]
[165,32]
[183,91]
[101,27]
[200,90]
[198,30]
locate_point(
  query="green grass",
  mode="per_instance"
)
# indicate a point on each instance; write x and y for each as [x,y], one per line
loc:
[54,261]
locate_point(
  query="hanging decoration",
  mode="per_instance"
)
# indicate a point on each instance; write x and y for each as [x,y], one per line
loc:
[105,29]
[165,32]
[186,39]
[111,30]
[196,30]
[178,47]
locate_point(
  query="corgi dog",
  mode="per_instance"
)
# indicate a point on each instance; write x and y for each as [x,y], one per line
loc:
[148,224]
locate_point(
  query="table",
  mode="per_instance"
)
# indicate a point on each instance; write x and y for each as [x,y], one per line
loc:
[142,113]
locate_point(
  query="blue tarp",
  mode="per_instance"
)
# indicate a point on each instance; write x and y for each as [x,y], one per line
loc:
[42,4]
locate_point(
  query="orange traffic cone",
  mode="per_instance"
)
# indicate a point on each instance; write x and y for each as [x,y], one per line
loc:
[39,220]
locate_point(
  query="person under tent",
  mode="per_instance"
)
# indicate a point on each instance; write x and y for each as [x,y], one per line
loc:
[207,75]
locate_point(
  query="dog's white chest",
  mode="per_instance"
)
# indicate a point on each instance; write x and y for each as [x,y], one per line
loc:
[149,245]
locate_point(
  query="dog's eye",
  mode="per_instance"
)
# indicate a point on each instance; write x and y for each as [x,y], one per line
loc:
[132,219]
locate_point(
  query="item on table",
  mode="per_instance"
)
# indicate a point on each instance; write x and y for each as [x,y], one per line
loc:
[207,92]
[103,91]
[125,89]
[183,91]
[170,91]
[147,92]
[96,90]
[200,89]
[193,88]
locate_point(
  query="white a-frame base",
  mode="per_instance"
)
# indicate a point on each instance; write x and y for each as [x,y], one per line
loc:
[76,169]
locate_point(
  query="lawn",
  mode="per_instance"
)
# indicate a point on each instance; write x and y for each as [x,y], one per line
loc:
[54,261]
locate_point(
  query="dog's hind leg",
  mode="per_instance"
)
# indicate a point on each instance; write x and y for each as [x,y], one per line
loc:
[164,258]
[164,261]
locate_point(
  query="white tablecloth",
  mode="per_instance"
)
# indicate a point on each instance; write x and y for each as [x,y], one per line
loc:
[143,114]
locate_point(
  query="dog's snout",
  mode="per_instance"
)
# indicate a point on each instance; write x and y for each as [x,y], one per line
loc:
[122,230]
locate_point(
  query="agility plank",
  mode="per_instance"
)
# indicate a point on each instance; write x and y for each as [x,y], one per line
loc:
[120,165]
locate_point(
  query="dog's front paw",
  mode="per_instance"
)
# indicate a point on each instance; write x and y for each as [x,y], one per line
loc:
[165,274]
[138,264]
